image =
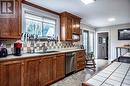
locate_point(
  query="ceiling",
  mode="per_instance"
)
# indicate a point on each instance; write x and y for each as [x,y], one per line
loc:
[95,14]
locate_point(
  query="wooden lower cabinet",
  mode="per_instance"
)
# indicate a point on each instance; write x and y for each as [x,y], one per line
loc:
[80,60]
[11,73]
[58,67]
[52,68]
[31,72]
[37,71]
[45,71]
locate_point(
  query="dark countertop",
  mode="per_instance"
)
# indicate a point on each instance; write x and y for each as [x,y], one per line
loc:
[29,55]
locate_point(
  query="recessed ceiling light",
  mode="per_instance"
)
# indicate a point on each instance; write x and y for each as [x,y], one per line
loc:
[111,19]
[88,1]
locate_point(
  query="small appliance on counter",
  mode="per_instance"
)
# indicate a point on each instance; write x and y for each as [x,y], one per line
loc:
[3,51]
[17,48]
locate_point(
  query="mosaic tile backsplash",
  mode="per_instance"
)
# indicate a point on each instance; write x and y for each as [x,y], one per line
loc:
[29,46]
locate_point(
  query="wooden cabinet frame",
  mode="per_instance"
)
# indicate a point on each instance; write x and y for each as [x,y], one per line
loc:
[69,25]
[10,28]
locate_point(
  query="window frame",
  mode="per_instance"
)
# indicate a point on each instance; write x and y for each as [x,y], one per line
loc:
[42,21]
[92,39]
[88,40]
[86,31]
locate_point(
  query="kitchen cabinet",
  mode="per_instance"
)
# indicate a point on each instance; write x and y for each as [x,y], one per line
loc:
[58,66]
[10,28]
[45,71]
[70,24]
[80,60]
[76,26]
[11,73]
[52,68]
[31,72]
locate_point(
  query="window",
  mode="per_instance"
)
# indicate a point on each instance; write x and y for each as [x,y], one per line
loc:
[48,27]
[40,26]
[88,41]
[85,40]
[91,41]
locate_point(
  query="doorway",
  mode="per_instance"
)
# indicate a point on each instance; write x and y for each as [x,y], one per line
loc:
[102,45]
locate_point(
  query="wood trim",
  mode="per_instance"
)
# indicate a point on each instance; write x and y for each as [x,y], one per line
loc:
[39,7]
[70,14]
[86,84]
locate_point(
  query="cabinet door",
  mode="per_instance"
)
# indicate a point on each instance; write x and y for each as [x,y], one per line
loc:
[11,73]
[69,29]
[45,73]
[76,26]
[31,74]
[58,66]
[11,27]
[17,21]
[77,22]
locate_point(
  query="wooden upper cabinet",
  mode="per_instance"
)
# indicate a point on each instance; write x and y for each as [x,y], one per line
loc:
[10,27]
[58,66]
[76,26]
[31,72]
[68,34]
[11,73]
[70,24]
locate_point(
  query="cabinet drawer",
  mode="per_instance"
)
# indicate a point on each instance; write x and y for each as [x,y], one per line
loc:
[80,53]
[80,65]
[81,58]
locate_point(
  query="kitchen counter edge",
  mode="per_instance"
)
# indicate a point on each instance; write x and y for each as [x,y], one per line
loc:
[35,55]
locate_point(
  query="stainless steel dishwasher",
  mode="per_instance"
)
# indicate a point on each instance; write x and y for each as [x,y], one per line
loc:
[69,62]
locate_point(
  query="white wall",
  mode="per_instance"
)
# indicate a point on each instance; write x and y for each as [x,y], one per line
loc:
[113,39]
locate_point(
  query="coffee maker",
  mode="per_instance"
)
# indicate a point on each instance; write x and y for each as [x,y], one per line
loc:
[17,48]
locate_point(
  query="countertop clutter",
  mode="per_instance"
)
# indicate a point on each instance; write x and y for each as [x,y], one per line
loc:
[27,55]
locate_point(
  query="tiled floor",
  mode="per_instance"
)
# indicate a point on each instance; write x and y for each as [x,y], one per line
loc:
[77,78]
